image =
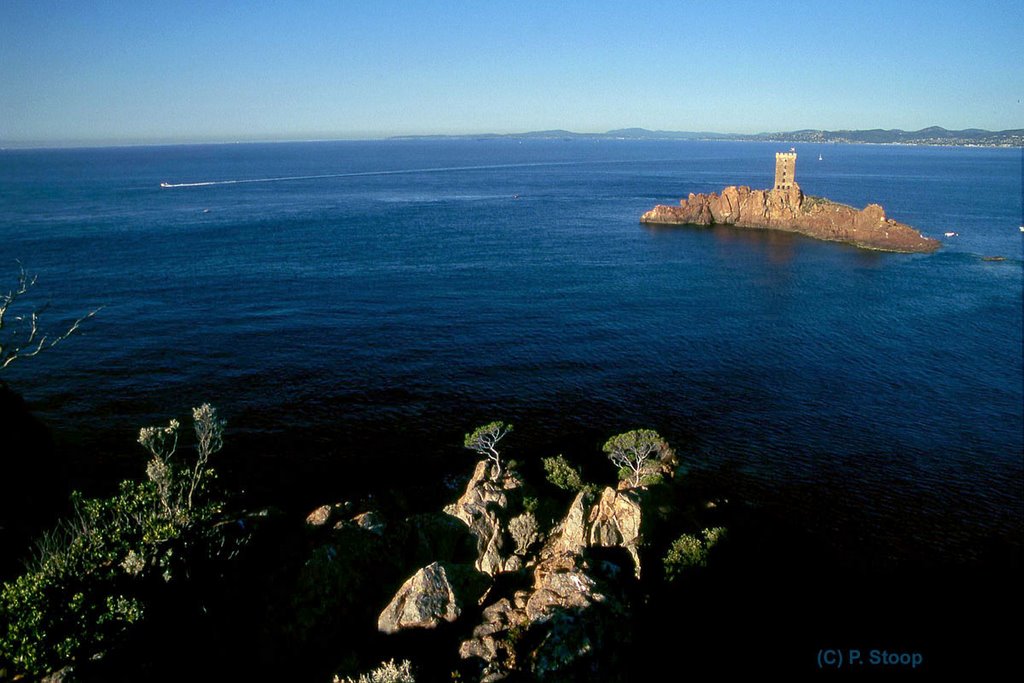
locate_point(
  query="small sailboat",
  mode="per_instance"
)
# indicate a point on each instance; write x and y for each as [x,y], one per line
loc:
[819,157]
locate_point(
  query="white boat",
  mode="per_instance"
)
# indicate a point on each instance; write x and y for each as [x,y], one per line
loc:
[165,184]
[819,157]
[950,234]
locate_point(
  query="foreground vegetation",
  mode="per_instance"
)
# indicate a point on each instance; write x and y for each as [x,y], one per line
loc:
[117,572]
[92,576]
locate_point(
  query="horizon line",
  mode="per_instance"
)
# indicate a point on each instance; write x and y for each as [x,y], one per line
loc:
[7,145]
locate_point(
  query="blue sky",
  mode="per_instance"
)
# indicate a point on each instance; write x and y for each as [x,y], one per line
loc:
[196,71]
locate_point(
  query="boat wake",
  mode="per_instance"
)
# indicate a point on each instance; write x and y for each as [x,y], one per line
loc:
[405,171]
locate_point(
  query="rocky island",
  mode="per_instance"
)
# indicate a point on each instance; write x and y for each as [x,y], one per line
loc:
[785,207]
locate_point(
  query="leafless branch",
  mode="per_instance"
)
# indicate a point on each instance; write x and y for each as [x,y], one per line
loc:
[15,341]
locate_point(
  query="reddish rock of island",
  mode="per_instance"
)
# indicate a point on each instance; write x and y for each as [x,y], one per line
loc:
[786,208]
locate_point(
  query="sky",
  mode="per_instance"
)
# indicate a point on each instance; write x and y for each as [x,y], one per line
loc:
[108,72]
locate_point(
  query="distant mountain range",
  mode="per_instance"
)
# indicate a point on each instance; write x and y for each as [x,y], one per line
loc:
[926,136]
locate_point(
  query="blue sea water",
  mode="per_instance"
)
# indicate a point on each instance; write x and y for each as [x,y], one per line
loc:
[364,304]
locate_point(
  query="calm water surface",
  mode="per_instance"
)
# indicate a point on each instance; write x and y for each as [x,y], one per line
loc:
[422,287]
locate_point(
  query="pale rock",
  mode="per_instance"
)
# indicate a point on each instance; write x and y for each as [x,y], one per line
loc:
[432,595]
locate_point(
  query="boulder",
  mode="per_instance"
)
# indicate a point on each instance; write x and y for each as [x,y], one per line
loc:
[483,508]
[370,521]
[436,593]
[615,521]
[482,493]
[484,647]
[498,618]
[512,564]
[560,583]
[573,534]
[325,514]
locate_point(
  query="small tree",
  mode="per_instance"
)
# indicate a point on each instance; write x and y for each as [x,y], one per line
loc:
[631,451]
[484,439]
[20,334]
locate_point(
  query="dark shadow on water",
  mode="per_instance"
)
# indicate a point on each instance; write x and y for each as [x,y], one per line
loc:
[788,582]
[777,247]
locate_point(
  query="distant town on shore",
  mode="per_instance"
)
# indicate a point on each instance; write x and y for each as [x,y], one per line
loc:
[935,135]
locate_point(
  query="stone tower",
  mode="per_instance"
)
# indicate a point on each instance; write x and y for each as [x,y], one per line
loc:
[785,170]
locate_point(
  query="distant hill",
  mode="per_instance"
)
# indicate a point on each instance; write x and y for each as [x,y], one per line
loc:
[933,135]
[926,136]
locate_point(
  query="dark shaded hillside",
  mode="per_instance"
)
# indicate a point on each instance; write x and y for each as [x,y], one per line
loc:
[33,484]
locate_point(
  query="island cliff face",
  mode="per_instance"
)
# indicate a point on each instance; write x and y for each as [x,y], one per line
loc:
[786,208]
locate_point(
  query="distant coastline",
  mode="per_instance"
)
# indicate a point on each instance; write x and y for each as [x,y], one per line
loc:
[935,135]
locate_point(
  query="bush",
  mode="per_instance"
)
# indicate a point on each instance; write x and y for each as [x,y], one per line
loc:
[524,531]
[690,551]
[387,672]
[563,475]
[90,577]
[52,619]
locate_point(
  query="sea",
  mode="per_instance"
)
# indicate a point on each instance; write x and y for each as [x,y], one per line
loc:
[353,308]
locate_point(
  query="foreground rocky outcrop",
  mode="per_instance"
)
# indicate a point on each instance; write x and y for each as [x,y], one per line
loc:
[484,509]
[547,601]
[574,601]
[557,627]
[789,210]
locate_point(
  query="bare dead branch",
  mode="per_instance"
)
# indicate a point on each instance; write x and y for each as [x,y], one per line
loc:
[17,343]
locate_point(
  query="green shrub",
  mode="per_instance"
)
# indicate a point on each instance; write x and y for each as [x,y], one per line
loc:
[87,583]
[690,551]
[387,672]
[563,475]
[652,479]
[524,531]
[57,613]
